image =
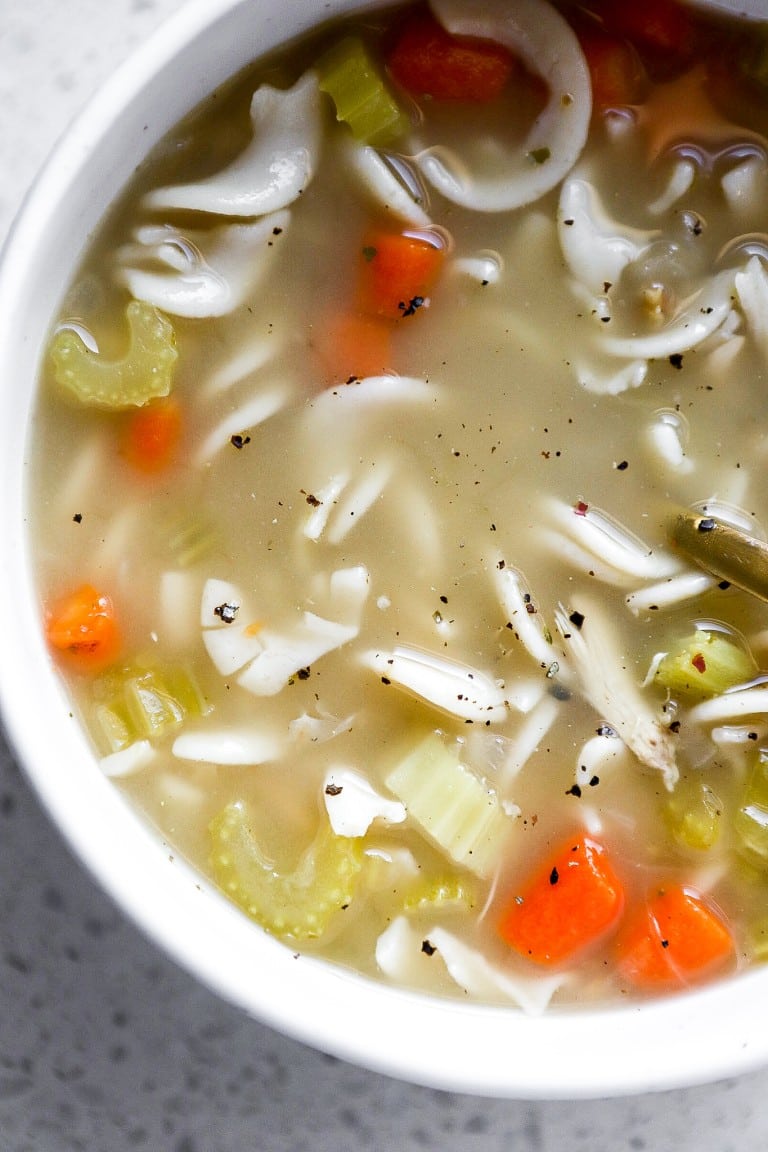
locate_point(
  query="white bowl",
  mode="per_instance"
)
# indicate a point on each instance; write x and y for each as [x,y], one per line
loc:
[715,1032]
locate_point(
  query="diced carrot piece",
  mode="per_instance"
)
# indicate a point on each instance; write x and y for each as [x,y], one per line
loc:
[152,434]
[428,61]
[675,938]
[663,31]
[615,70]
[397,273]
[567,907]
[82,627]
[355,346]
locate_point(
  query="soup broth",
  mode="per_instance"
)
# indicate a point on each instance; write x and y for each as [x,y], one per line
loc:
[398,506]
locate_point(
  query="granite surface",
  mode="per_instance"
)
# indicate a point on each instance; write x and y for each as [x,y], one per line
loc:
[106,1046]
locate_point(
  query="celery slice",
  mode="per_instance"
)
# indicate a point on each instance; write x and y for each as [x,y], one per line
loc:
[191,537]
[705,664]
[145,372]
[751,819]
[298,905]
[113,727]
[757,940]
[452,806]
[143,703]
[442,894]
[693,815]
[350,77]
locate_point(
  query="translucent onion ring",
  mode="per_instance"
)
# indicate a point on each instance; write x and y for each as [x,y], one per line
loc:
[536,33]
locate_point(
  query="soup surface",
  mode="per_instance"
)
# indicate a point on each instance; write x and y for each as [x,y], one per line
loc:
[399,508]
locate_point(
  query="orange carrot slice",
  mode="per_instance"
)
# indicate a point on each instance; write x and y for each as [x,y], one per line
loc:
[428,61]
[82,626]
[566,907]
[675,938]
[352,346]
[152,435]
[397,273]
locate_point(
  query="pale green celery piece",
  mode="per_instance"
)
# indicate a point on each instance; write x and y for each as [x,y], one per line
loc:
[442,894]
[705,664]
[452,806]
[296,905]
[144,373]
[362,100]
[757,940]
[751,819]
[144,703]
[693,814]
[191,538]
[114,730]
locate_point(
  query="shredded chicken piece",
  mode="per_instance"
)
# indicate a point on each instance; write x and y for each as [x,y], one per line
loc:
[604,682]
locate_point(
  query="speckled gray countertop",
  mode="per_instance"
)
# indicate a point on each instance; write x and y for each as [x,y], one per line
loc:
[105,1046]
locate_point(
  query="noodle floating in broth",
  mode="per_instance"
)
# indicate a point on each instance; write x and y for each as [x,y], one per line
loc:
[398,511]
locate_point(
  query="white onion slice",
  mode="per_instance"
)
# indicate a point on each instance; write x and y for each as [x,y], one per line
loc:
[400,955]
[285,654]
[231,746]
[242,421]
[127,761]
[529,736]
[274,169]
[535,32]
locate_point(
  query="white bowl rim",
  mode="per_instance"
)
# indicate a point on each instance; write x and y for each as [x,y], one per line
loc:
[708,1034]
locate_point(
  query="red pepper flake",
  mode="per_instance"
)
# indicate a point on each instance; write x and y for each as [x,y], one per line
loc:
[581,508]
[699,663]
